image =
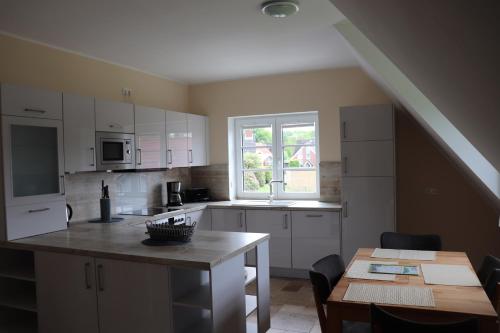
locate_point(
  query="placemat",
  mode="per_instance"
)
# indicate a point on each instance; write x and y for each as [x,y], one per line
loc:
[403,254]
[384,294]
[359,270]
[449,275]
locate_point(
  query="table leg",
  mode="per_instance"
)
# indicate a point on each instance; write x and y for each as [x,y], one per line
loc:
[333,318]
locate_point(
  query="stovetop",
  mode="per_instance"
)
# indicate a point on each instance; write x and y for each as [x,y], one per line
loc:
[150,211]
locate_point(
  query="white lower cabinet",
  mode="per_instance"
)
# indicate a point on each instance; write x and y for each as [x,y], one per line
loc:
[202,218]
[85,294]
[227,219]
[277,224]
[315,235]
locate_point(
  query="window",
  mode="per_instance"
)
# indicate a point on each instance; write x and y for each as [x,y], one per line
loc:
[282,148]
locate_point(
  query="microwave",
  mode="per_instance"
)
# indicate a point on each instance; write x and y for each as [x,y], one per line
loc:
[114,151]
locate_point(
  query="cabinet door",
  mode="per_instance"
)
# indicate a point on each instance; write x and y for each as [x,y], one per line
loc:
[150,139]
[197,140]
[368,211]
[66,293]
[315,235]
[114,116]
[277,224]
[177,142]
[133,297]
[33,160]
[79,133]
[228,220]
[364,123]
[202,218]
[31,102]
[368,159]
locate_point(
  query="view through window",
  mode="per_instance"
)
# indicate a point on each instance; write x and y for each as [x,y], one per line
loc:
[281,148]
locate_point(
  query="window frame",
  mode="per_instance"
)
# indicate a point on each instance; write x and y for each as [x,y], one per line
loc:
[276,122]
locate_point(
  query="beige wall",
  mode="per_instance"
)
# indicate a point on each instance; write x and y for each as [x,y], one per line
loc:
[28,63]
[324,91]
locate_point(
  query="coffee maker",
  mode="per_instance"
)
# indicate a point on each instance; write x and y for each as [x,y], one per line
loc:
[174,194]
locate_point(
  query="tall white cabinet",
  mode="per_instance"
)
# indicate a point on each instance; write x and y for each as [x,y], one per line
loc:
[150,143]
[79,133]
[33,162]
[368,175]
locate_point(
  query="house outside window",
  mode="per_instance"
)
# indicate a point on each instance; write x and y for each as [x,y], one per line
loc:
[277,147]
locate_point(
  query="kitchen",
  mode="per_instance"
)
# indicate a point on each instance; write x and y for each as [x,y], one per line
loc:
[74,125]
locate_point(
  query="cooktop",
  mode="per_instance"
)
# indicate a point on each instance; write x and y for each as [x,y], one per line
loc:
[149,211]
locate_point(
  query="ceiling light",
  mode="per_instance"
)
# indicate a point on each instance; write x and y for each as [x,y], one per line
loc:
[280,9]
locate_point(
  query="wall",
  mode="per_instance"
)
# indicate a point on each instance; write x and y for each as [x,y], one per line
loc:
[33,64]
[434,196]
[323,91]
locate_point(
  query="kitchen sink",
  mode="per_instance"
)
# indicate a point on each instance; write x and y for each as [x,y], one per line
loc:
[264,203]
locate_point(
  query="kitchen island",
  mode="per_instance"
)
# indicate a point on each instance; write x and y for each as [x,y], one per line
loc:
[101,278]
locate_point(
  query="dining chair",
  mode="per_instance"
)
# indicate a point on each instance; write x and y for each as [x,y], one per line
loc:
[396,240]
[489,264]
[492,288]
[325,274]
[385,322]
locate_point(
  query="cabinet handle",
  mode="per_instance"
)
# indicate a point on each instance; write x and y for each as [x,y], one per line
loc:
[63,186]
[188,220]
[100,277]
[92,155]
[87,276]
[38,210]
[314,215]
[190,151]
[241,219]
[344,129]
[285,221]
[345,209]
[345,165]
[139,150]
[169,156]
[34,110]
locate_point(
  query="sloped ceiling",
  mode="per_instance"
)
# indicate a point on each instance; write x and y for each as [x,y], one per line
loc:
[440,59]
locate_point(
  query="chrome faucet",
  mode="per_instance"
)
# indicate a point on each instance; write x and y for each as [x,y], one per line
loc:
[271,188]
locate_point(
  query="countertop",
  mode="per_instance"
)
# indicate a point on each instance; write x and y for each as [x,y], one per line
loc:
[122,241]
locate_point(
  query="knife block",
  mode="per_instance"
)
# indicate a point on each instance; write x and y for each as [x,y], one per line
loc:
[105,209]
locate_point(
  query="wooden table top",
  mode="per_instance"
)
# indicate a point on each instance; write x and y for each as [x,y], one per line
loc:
[451,299]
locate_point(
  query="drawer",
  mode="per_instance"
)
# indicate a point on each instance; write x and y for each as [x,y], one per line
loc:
[31,102]
[35,219]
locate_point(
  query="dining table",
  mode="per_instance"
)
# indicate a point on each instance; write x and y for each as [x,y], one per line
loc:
[451,302]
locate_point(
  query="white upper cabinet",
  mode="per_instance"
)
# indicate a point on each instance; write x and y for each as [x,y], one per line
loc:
[365,123]
[114,116]
[79,133]
[197,140]
[150,142]
[31,102]
[177,141]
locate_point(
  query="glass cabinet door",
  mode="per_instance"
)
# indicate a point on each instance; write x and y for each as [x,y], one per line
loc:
[33,161]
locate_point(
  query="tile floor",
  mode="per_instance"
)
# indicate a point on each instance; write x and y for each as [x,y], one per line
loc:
[292,306]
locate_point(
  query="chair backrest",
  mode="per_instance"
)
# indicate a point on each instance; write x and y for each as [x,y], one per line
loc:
[325,274]
[395,240]
[491,287]
[385,322]
[489,264]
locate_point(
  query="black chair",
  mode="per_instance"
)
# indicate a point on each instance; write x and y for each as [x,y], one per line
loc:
[324,275]
[492,288]
[395,240]
[384,322]
[489,264]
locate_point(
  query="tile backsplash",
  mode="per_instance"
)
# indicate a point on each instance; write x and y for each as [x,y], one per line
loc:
[128,190]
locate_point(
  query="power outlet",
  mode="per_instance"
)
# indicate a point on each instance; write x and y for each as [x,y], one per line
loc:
[127,92]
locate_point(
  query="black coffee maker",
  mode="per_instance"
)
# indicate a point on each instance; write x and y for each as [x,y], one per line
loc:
[174,194]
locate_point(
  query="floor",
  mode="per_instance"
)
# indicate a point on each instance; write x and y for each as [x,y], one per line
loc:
[292,306]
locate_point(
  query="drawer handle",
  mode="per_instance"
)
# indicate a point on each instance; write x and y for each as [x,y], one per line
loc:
[314,215]
[139,150]
[87,276]
[92,155]
[344,129]
[34,110]
[285,221]
[38,210]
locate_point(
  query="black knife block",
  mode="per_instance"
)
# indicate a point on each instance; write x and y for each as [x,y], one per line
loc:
[106,209]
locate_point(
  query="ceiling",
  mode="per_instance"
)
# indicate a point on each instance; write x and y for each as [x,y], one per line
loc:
[192,41]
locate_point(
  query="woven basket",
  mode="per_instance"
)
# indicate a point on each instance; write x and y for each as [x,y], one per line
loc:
[167,232]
